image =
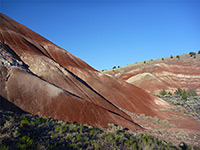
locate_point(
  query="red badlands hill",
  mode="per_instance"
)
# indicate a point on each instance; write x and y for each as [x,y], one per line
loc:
[170,74]
[38,77]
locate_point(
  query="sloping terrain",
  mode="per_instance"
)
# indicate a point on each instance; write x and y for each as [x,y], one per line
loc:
[41,78]
[34,95]
[169,73]
[32,132]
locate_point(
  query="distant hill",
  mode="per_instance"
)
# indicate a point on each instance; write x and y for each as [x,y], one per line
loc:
[170,73]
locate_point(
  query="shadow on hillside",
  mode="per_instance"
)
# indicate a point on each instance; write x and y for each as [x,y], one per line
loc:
[5,105]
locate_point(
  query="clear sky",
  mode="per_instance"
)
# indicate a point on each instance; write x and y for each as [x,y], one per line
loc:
[114,32]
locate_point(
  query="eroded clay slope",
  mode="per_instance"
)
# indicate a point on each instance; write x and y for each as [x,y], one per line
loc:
[170,74]
[42,78]
[32,94]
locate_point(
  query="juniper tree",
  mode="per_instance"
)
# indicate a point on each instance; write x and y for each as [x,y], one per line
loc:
[163,92]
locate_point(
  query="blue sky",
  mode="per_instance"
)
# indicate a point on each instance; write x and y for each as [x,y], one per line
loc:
[113,33]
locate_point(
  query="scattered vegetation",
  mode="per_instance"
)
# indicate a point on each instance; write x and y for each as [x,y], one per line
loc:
[114,67]
[178,57]
[188,99]
[33,132]
[179,91]
[192,54]
[155,120]
[189,92]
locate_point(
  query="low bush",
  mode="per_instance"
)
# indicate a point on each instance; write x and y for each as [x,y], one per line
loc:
[190,103]
[54,134]
[192,54]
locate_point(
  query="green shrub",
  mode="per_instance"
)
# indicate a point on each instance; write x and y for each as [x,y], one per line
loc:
[24,123]
[169,93]
[192,54]
[163,92]
[4,147]
[78,137]
[32,122]
[184,95]
[25,142]
[165,121]
[142,115]
[182,134]
[156,119]
[179,91]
